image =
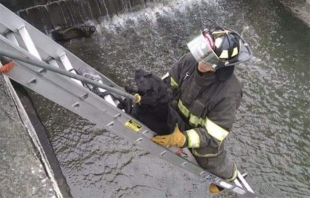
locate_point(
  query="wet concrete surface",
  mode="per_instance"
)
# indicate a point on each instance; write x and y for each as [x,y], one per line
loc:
[300,8]
[21,171]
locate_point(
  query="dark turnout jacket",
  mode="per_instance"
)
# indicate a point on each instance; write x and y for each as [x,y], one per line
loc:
[206,103]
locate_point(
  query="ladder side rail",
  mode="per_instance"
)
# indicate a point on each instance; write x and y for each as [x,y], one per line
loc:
[54,50]
[63,82]
[101,116]
[34,137]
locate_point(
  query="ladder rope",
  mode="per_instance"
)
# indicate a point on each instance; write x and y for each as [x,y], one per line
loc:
[7,67]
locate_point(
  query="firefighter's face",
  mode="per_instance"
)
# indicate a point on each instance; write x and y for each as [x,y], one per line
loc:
[204,67]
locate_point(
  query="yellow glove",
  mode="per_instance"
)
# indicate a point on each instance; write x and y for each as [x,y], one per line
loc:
[175,139]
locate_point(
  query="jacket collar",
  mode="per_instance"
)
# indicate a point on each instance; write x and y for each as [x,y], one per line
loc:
[205,79]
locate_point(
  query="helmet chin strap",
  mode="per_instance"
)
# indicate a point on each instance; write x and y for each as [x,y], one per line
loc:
[219,64]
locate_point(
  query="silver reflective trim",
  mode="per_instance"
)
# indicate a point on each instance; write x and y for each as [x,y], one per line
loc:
[225,185]
[165,76]
[239,190]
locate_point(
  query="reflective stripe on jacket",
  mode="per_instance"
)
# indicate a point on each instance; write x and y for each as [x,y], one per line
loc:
[207,104]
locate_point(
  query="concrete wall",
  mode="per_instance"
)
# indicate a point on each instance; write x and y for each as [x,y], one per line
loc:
[23,171]
[67,13]
[47,15]
[300,8]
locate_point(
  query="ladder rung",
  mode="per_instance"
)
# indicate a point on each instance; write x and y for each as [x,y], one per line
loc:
[32,81]
[53,62]
[42,71]
[184,163]
[65,61]
[84,96]
[237,183]
[139,140]
[247,186]
[118,115]
[225,184]
[11,36]
[107,97]
[238,190]
[76,105]
[28,41]
[110,100]
[145,132]
[110,124]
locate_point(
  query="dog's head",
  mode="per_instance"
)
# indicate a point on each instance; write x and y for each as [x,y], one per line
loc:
[151,88]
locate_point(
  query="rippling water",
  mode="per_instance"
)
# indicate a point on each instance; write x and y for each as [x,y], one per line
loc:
[271,133]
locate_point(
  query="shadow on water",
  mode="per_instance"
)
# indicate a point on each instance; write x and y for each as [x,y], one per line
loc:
[271,131]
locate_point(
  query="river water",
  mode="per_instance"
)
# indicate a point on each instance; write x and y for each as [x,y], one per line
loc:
[270,139]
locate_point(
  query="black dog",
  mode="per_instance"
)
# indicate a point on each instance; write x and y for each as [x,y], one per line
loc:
[154,110]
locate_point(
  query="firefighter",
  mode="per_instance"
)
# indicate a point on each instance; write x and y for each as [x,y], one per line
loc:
[207,94]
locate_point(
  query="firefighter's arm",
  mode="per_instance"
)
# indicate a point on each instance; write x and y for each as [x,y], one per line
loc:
[216,126]
[209,134]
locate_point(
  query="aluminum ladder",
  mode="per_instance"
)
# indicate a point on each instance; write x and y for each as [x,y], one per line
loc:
[22,39]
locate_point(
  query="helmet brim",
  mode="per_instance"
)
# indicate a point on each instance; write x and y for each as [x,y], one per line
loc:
[245,52]
[201,50]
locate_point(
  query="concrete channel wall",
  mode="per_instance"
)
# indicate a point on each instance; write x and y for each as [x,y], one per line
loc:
[47,15]
[24,168]
[300,8]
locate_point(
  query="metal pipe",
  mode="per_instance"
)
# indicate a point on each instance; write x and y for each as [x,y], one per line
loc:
[136,98]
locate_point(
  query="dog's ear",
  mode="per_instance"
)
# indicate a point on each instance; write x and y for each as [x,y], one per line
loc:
[142,81]
[152,89]
[146,86]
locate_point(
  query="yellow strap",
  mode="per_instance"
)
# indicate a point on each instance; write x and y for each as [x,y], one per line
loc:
[193,139]
[183,109]
[234,175]
[203,155]
[173,83]
[215,130]
[193,120]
